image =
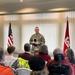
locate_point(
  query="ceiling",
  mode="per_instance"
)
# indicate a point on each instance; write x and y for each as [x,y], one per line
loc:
[33,6]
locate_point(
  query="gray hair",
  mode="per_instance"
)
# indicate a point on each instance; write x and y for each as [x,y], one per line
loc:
[57,51]
[43,49]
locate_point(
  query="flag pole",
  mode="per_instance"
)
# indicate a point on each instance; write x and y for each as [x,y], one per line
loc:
[66,39]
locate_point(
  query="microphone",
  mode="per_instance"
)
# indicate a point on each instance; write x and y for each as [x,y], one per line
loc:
[34,43]
[34,40]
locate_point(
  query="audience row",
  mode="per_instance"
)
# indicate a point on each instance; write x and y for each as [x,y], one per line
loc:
[40,63]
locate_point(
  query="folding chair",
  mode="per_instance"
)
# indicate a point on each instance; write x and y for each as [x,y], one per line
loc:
[23,71]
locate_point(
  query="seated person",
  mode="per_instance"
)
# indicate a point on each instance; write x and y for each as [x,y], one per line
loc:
[43,52]
[3,69]
[37,65]
[57,52]
[26,55]
[70,55]
[10,60]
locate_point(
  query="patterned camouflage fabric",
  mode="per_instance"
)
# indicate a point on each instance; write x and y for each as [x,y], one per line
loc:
[38,38]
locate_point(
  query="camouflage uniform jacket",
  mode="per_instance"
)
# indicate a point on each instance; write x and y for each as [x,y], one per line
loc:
[39,38]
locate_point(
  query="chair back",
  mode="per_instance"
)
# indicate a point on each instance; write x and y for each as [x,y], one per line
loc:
[23,71]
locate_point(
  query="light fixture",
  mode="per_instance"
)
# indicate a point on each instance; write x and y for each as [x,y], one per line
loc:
[27,10]
[21,0]
[58,9]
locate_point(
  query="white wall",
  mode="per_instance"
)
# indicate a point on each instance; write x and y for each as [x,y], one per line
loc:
[52,26]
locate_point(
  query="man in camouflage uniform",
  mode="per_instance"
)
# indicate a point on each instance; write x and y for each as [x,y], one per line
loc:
[36,41]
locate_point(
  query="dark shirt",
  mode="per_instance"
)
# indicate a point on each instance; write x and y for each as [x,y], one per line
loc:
[25,55]
[65,61]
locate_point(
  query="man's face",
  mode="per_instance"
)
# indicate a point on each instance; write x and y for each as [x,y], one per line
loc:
[37,30]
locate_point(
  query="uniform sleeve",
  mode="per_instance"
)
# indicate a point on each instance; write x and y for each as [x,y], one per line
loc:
[31,39]
[42,39]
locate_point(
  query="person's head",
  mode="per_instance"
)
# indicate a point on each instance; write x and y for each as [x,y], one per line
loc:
[36,63]
[27,47]
[56,53]
[10,49]
[1,54]
[36,30]
[43,49]
[70,54]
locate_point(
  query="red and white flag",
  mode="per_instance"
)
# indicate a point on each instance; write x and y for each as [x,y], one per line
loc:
[10,36]
[67,39]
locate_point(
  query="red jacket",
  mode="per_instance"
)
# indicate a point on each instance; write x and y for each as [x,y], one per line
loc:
[46,57]
[25,55]
[5,70]
[65,61]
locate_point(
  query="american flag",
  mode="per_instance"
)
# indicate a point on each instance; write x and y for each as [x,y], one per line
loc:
[10,36]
